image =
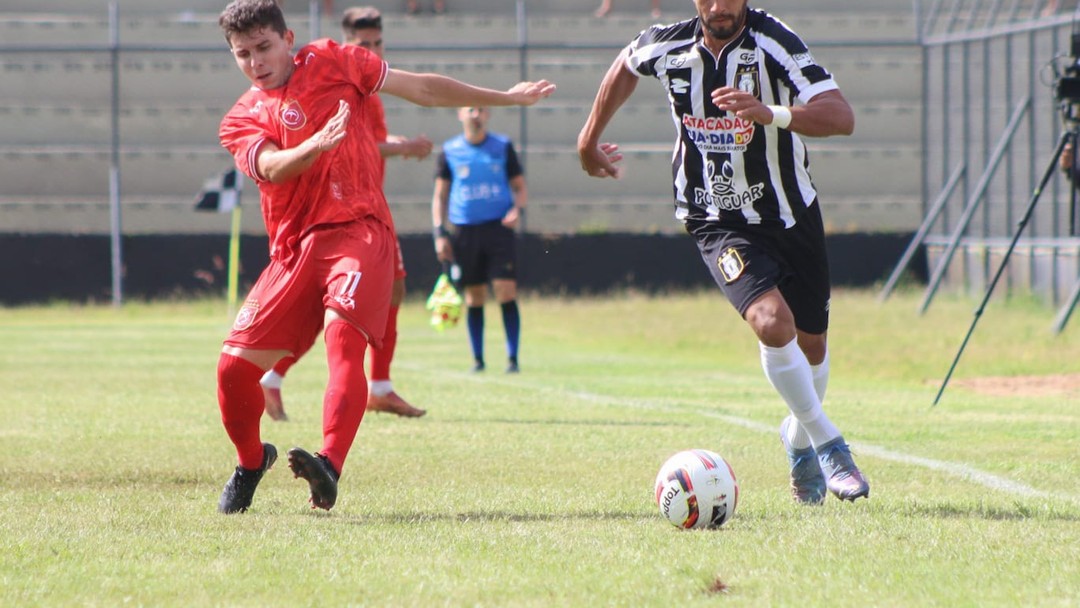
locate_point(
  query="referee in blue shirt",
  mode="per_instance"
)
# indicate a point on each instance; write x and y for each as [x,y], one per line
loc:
[480,191]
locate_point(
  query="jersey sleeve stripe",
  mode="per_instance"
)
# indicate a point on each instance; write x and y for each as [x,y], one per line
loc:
[382,78]
[252,159]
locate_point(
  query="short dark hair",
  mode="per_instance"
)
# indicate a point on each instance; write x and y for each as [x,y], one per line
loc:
[361,18]
[242,16]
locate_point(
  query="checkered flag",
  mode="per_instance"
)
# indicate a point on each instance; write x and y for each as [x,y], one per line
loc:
[221,193]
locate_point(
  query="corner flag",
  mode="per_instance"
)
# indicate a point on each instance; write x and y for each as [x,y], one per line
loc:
[221,193]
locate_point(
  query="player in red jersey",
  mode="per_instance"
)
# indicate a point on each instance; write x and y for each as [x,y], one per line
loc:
[331,234]
[363,26]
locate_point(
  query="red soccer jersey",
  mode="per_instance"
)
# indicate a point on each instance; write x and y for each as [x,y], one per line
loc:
[376,121]
[343,184]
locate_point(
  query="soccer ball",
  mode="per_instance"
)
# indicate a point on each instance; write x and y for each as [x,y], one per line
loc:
[696,489]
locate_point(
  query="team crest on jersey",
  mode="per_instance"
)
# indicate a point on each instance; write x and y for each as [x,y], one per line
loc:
[292,115]
[719,134]
[246,316]
[721,194]
[746,79]
[731,264]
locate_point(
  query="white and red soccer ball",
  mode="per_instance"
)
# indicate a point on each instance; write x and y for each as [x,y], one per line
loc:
[696,489]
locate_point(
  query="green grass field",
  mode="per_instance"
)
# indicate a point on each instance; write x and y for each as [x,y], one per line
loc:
[536,489]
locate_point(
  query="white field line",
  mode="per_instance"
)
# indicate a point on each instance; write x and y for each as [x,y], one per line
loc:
[955,469]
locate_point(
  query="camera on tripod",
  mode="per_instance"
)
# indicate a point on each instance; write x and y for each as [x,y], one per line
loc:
[1067,87]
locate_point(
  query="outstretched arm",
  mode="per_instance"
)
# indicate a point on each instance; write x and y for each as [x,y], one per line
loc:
[436,90]
[405,147]
[598,159]
[825,114]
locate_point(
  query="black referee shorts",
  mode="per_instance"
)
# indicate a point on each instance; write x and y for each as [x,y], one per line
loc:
[485,252]
[748,261]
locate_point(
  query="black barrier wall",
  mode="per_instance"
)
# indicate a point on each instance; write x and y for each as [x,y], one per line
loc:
[41,268]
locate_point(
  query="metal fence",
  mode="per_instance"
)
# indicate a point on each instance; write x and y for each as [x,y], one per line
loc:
[105,72]
[992,127]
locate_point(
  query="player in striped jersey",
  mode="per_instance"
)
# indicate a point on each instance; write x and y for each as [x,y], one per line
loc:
[742,87]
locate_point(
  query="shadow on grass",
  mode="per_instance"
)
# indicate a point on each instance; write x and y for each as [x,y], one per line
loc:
[1018,512]
[549,422]
[493,517]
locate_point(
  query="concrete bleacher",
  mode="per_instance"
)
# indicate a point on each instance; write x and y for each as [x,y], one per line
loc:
[55,117]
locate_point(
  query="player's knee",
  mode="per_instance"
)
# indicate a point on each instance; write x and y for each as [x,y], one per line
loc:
[774,326]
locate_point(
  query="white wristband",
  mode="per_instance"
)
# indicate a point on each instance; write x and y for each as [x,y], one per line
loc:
[781,116]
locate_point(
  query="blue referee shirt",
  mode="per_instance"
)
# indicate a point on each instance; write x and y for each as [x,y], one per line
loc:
[479,176]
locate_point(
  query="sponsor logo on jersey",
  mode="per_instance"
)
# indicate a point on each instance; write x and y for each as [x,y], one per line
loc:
[679,86]
[680,60]
[746,56]
[730,264]
[246,316]
[719,133]
[292,115]
[721,195]
[803,59]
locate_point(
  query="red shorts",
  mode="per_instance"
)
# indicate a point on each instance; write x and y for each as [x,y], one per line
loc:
[347,267]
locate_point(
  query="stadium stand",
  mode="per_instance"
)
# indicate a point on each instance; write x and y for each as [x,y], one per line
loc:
[178,80]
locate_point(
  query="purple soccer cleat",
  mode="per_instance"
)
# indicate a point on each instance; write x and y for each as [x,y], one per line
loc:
[807,480]
[842,477]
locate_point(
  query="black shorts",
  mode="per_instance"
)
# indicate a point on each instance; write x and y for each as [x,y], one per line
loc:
[748,261]
[484,252]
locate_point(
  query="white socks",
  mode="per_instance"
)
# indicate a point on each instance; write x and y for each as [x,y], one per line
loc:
[380,388]
[801,387]
[271,379]
[795,434]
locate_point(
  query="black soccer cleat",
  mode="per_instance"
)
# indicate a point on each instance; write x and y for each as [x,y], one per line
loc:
[239,490]
[319,474]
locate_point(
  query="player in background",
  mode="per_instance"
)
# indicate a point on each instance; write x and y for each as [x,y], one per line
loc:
[362,26]
[743,191]
[480,189]
[332,238]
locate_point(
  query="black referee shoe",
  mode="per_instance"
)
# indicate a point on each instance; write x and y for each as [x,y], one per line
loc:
[240,489]
[319,474]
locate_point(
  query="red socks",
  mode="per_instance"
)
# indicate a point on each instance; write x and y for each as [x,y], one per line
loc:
[346,391]
[282,366]
[381,357]
[240,398]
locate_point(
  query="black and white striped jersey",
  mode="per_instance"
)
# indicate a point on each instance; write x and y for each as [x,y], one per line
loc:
[727,170]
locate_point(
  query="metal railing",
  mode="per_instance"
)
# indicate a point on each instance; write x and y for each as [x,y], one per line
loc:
[989,70]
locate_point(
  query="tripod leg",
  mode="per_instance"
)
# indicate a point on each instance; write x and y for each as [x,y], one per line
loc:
[1050,168]
[1074,227]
